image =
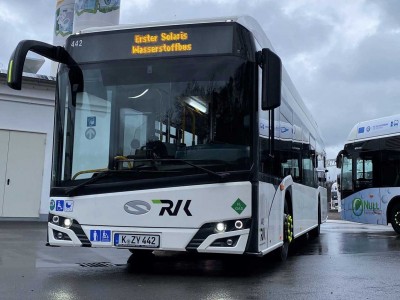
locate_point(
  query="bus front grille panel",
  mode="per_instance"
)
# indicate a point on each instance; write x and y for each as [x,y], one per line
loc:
[77,229]
[200,236]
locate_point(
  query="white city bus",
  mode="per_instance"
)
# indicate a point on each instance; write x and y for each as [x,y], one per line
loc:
[370,175]
[162,141]
[335,196]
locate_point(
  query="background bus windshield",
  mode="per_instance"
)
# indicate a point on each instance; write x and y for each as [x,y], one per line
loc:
[195,109]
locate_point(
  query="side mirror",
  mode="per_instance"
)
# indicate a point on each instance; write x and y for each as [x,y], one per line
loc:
[271,79]
[338,162]
[17,60]
[339,158]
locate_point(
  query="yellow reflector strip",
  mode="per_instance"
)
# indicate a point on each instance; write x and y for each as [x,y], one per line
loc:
[9,71]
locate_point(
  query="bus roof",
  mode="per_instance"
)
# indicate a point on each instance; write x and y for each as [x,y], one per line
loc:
[246,21]
[250,24]
[376,128]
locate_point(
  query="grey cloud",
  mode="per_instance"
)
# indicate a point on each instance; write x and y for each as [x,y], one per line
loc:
[338,106]
[35,20]
[298,33]
[348,85]
[375,59]
[389,10]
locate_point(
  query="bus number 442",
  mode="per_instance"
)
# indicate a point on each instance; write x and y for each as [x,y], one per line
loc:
[76,43]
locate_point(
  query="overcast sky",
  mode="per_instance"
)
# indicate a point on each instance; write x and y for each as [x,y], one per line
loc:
[343,56]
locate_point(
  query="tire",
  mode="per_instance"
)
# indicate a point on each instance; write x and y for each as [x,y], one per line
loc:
[395,217]
[141,253]
[282,253]
[140,258]
[314,233]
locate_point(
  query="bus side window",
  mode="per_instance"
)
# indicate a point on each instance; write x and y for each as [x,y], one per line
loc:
[364,172]
[391,167]
[308,172]
[347,169]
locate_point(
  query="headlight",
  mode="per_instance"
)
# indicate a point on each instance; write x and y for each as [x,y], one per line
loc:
[55,220]
[238,224]
[220,227]
[67,222]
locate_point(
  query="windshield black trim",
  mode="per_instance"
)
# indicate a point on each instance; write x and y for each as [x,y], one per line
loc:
[57,164]
[219,176]
[146,184]
[242,43]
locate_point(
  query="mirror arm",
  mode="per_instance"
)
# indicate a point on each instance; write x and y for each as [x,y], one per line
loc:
[17,60]
[271,133]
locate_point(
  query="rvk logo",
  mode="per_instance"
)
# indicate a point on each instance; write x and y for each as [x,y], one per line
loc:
[170,209]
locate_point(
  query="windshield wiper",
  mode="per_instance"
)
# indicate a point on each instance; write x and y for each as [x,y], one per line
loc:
[220,175]
[102,174]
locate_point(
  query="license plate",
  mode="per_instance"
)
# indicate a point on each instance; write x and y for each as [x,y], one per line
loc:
[129,240]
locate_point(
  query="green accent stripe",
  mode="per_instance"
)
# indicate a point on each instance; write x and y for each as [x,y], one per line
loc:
[156,201]
[9,70]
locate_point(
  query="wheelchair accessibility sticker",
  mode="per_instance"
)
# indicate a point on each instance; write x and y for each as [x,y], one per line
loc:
[62,205]
[100,236]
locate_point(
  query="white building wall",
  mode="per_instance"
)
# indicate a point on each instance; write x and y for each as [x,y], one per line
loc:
[31,110]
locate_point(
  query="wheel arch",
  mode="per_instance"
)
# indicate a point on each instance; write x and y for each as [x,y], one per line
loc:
[319,209]
[395,200]
[288,198]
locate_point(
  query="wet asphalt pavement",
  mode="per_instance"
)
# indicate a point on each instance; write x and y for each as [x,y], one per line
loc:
[347,261]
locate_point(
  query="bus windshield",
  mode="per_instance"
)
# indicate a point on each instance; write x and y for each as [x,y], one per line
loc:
[358,172]
[123,115]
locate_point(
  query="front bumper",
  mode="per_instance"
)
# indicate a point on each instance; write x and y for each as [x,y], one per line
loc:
[171,239]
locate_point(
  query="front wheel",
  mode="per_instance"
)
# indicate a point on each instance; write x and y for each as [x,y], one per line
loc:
[395,217]
[317,230]
[141,253]
[283,252]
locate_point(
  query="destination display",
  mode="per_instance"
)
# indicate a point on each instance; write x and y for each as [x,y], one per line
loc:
[165,42]
[153,42]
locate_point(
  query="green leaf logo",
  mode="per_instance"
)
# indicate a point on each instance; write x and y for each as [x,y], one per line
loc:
[357,207]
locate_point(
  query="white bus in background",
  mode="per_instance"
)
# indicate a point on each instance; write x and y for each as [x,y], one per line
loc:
[184,136]
[335,197]
[370,175]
